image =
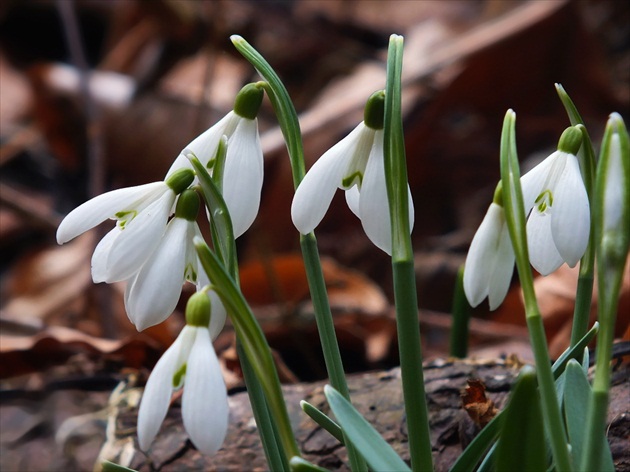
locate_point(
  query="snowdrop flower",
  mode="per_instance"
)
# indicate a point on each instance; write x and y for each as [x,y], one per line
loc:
[559,223]
[243,173]
[356,165]
[192,363]
[141,212]
[490,260]
[153,292]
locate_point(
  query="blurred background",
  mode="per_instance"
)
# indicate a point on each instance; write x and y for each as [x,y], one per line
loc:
[97,95]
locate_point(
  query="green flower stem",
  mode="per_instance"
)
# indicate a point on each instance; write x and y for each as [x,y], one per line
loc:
[586,156]
[613,241]
[461,319]
[515,216]
[290,126]
[405,290]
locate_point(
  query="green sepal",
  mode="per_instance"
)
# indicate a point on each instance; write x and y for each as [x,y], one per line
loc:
[521,443]
[248,101]
[198,310]
[180,180]
[374,112]
[570,140]
[187,205]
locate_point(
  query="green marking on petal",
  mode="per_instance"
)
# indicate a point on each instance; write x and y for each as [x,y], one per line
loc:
[544,201]
[355,178]
[190,274]
[178,376]
[125,217]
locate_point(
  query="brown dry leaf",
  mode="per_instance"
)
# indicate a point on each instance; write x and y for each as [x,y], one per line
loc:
[24,354]
[283,280]
[478,406]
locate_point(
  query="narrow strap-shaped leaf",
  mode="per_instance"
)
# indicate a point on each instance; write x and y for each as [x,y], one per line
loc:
[324,421]
[107,466]
[299,464]
[377,453]
[521,443]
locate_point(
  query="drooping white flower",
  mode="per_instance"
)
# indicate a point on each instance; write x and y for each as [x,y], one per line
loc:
[190,362]
[141,212]
[558,226]
[153,292]
[244,168]
[490,260]
[356,165]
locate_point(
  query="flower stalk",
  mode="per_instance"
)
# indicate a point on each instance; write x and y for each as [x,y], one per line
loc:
[289,124]
[405,291]
[612,215]
[515,216]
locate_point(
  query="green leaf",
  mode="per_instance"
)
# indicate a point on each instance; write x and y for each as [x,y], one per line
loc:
[107,466]
[221,223]
[521,443]
[377,453]
[574,352]
[576,400]
[298,464]
[324,421]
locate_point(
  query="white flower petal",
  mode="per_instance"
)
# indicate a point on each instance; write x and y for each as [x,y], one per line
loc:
[152,295]
[139,239]
[570,224]
[315,192]
[503,267]
[243,177]
[204,404]
[373,204]
[157,393]
[543,255]
[205,145]
[102,207]
[532,182]
[480,261]
[100,255]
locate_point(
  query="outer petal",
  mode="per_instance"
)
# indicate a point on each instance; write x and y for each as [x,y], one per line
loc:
[243,178]
[205,145]
[152,295]
[102,207]
[157,392]
[570,223]
[373,204]
[481,258]
[139,239]
[217,319]
[204,404]
[543,254]
[502,270]
[532,182]
[100,255]
[315,192]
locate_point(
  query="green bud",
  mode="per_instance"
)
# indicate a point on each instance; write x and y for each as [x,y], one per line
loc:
[571,140]
[198,310]
[374,113]
[187,205]
[248,101]
[180,180]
